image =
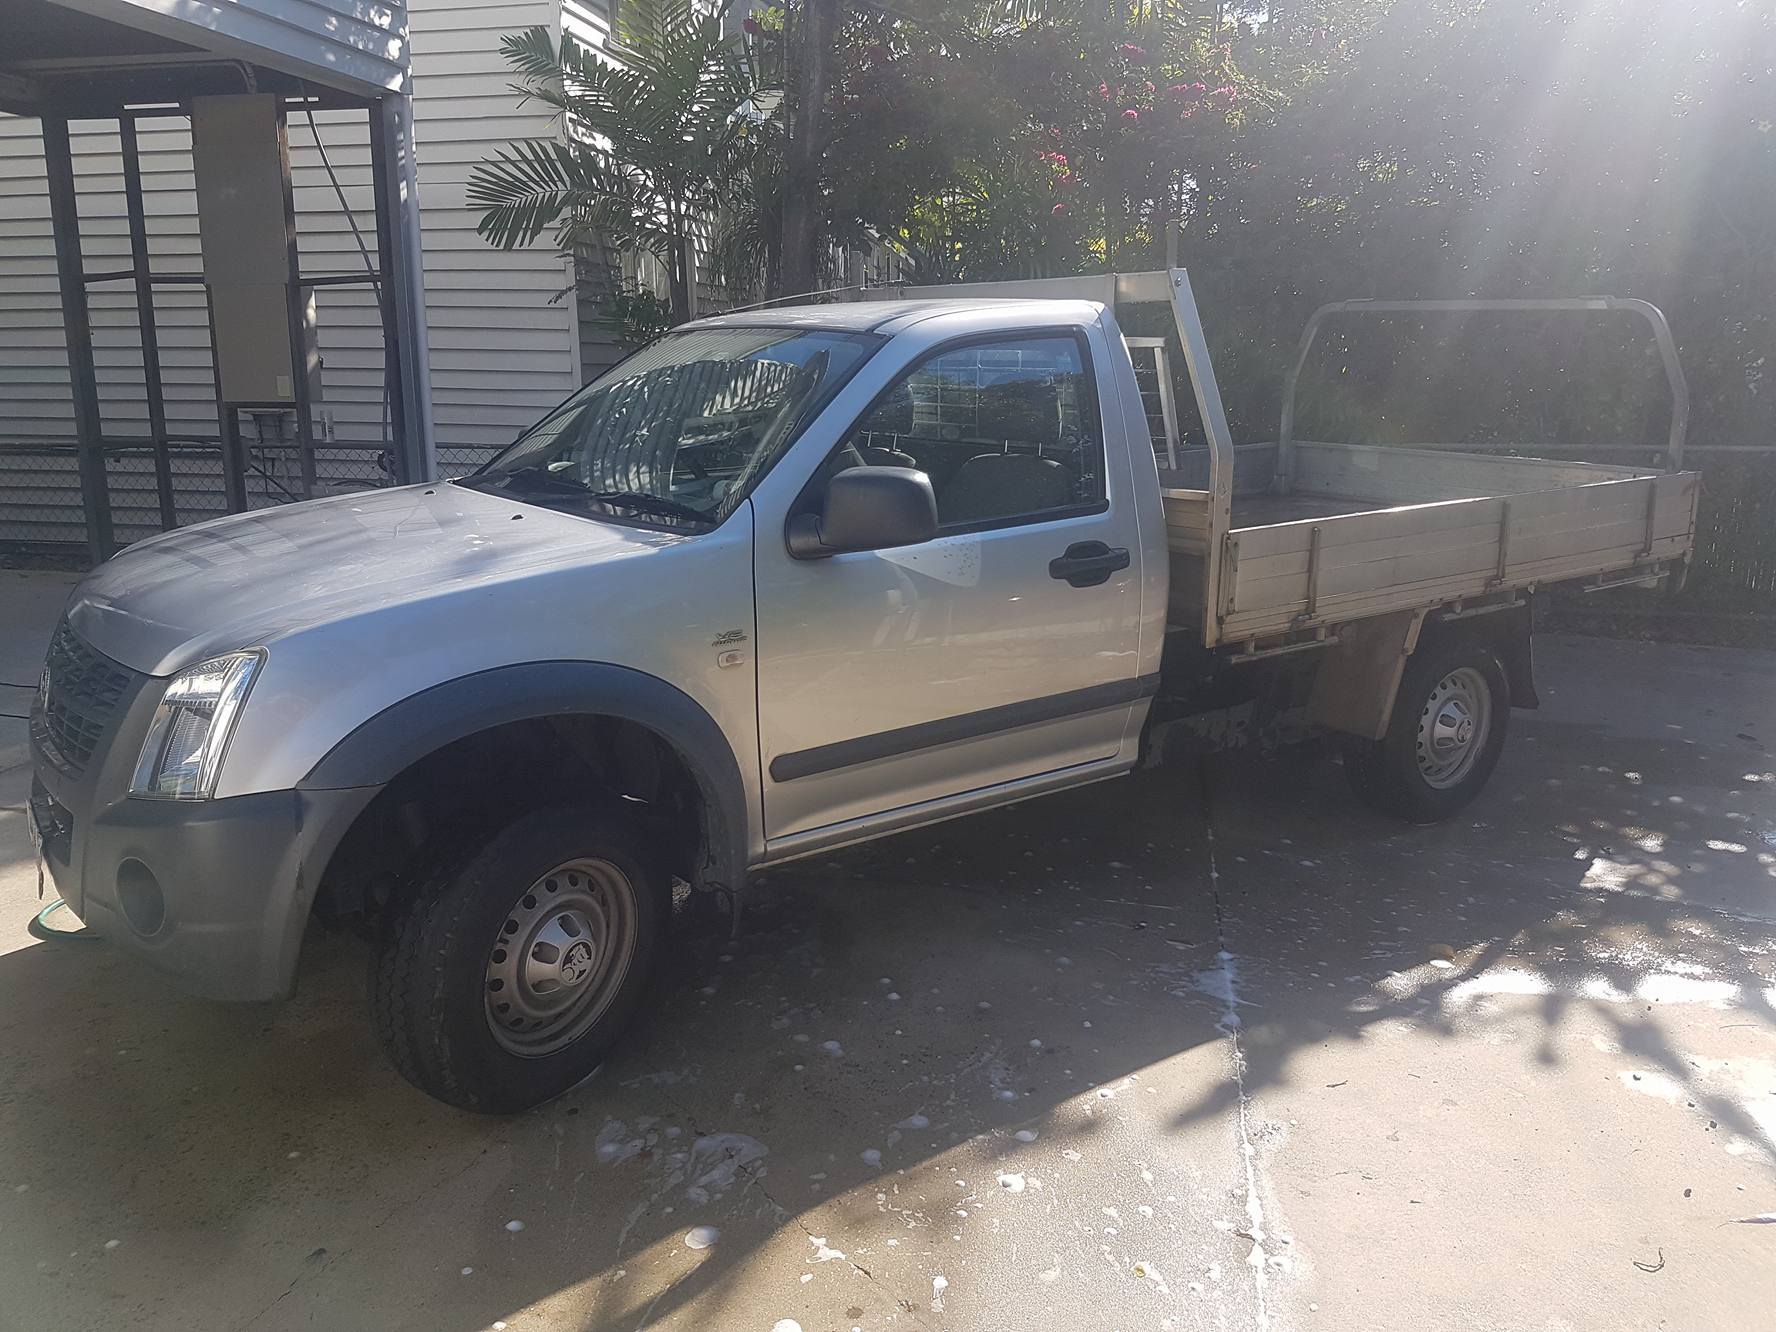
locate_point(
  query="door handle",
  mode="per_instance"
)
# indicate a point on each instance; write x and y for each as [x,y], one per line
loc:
[1088,563]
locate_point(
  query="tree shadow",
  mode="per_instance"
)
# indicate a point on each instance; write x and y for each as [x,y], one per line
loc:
[262,1165]
[1599,895]
[1025,970]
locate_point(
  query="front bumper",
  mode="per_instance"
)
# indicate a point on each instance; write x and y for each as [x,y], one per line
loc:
[216,893]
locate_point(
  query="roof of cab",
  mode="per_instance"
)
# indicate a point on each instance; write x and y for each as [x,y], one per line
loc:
[886,317]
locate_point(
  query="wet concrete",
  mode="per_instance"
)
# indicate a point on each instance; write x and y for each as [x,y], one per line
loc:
[1274,1061]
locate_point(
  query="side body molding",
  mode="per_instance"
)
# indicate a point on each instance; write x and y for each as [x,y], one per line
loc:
[380,748]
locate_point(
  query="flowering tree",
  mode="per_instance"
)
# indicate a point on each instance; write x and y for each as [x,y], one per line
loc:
[1110,129]
[1137,130]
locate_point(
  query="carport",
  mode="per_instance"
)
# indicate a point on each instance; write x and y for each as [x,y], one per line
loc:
[236,70]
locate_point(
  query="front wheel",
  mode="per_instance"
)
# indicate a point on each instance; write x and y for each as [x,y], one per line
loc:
[1443,739]
[504,977]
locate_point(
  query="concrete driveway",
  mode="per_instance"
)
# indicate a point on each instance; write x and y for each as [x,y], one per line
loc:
[1213,1050]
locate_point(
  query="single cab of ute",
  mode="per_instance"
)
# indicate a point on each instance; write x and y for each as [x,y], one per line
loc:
[780,582]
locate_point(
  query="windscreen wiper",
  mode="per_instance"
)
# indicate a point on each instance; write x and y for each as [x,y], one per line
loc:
[542,485]
[647,503]
[532,480]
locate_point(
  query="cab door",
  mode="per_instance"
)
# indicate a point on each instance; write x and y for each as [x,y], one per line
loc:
[1004,649]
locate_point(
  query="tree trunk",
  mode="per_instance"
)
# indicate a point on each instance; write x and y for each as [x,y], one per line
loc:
[679,279]
[774,259]
[801,215]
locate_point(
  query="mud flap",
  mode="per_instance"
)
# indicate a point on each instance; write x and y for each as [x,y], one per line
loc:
[1359,678]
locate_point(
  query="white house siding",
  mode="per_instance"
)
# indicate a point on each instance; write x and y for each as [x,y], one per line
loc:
[599,274]
[589,22]
[503,327]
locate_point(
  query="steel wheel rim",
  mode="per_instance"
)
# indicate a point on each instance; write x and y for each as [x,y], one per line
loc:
[559,957]
[1453,726]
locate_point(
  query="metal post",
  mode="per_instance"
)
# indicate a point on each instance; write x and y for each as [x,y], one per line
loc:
[1283,475]
[139,268]
[1674,377]
[234,463]
[234,458]
[406,291]
[1213,415]
[1168,404]
[1314,540]
[295,298]
[1504,559]
[64,215]
[394,406]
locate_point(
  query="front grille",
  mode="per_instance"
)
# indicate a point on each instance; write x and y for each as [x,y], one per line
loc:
[55,822]
[80,702]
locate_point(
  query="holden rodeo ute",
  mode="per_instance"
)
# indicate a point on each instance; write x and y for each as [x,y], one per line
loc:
[780,582]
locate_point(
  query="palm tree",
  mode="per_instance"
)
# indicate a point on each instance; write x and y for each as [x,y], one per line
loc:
[653,146]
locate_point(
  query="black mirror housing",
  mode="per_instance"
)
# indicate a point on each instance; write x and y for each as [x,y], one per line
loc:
[867,508]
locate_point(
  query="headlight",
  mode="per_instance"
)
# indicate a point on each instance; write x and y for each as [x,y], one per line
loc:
[182,756]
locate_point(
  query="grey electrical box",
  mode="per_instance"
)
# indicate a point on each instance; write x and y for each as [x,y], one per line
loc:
[246,227]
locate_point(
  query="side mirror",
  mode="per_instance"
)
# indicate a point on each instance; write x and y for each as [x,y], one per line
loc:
[867,508]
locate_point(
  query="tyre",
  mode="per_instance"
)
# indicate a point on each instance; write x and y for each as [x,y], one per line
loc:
[1443,739]
[505,975]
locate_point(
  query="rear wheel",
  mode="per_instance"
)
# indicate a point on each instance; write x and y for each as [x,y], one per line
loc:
[1443,740]
[505,976]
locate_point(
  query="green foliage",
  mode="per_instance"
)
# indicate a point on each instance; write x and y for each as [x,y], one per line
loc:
[913,106]
[651,147]
[1289,152]
[1514,148]
[1070,137]
[635,315]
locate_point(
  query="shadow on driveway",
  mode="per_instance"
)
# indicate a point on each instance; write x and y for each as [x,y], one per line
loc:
[1055,970]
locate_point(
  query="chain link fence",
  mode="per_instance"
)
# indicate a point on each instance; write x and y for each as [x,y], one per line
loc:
[1735,566]
[41,510]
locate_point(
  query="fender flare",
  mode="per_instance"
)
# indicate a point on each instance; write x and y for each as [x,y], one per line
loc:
[385,745]
[1510,632]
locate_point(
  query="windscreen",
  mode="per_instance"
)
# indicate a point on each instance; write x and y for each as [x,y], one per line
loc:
[682,430]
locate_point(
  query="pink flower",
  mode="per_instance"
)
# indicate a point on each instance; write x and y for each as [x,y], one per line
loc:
[1227,91]
[1054,131]
[1065,181]
[1131,114]
[1134,54]
[750,25]
[1104,91]
[1059,210]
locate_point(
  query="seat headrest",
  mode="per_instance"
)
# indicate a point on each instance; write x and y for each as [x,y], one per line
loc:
[1021,411]
[1000,485]
[893,415]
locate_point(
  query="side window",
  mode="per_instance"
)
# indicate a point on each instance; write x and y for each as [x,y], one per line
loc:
[1005,430]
